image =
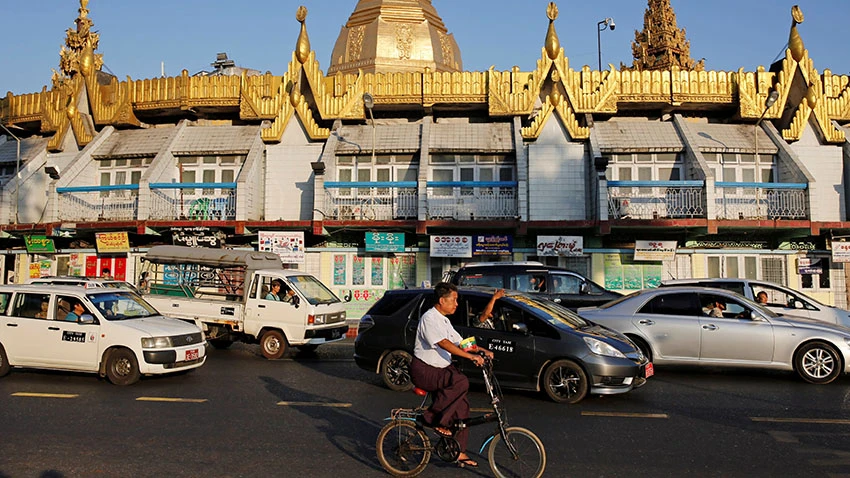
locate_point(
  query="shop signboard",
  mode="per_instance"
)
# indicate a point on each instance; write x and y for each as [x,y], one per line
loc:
[805,265]
[384,242]
[451,246]
[493,245]
[552,246]
[288,245]
[112,242]
[200,236]
[655,251]
[39,244]
[840,251]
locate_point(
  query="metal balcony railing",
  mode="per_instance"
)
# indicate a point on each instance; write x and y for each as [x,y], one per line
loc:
[762,200]
[99,203]
[468,200]
[193,201]
[656,199]
[370,201]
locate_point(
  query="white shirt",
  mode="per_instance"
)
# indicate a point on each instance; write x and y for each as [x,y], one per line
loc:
[434,327]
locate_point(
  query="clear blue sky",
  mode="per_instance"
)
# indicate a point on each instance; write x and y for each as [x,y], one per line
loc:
[136,36]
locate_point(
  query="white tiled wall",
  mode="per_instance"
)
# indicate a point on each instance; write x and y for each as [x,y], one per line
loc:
[825,163]
[557,181]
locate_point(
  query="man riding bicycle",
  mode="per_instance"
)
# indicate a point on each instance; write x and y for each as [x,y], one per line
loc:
[432,369]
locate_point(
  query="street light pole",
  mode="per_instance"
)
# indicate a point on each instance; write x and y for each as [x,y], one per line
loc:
[17,171]
[369,103]
[600,27]
[771,99]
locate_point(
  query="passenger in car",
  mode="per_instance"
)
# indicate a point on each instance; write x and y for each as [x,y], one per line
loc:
[42,314]
[77,312]
[485,319]
[761,297]
[715,309]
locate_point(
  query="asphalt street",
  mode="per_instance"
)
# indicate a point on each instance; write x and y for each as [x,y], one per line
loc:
[318,415]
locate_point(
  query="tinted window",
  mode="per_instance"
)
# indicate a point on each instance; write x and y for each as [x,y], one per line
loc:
[31,305]
[391,303]
[566,284]
[681,303]
[484,280]
[4,302]
[736,287]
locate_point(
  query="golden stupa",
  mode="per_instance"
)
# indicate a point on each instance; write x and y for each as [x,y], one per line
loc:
[395,35]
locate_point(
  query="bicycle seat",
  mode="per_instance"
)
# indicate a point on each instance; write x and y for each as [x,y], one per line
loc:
[419,391]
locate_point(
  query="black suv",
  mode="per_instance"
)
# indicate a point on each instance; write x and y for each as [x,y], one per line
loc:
[538,345]
[561,286]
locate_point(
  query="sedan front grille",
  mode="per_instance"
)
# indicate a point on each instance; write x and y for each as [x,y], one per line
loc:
[186,339]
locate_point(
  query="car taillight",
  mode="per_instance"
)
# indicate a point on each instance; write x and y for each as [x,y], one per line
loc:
[366,323]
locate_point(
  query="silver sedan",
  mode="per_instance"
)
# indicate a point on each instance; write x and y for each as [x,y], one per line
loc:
[714,327]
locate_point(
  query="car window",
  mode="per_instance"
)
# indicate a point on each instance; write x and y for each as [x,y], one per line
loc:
[512,316]
[720,306]
[482,280]
[391,303]
[679,303]
[566,284]
[780,298]
[533,283]
[4,302]
[33,306]
[736,287]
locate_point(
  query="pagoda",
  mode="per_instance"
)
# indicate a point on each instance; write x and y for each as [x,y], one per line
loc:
[662,45]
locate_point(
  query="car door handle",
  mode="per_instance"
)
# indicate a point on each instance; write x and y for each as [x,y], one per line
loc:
[261,306]
[557,301]
[53,328]
[709,327]
[175,305]
[646,322]
[11,325]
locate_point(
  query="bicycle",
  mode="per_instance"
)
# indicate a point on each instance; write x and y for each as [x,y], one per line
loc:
[404,448]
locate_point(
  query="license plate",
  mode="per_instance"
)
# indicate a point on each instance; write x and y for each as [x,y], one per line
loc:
[649,370]
[336,333]
[193,354]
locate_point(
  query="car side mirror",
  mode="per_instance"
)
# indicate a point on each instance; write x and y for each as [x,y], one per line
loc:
[86,319]
[521,328]
[296,301]
[585,288]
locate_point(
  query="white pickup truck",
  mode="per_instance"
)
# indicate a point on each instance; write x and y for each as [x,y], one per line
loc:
[111,332]
[230,294]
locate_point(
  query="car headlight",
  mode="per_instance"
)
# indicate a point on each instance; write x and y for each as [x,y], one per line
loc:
[319,319]
[602,348]
[156,342]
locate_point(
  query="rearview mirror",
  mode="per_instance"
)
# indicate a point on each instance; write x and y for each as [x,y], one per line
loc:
[521,328]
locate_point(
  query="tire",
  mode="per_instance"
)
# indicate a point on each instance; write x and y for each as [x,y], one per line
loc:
[273,344]
[818,362]
[531,455]
[395,371]
[307,348]
[403,449]
[122,368]
[220,344]
[4,362]
[645,349]
[565,382]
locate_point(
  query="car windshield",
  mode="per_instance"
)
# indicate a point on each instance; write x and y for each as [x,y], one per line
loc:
[553,313]
[314,291]
[122,305]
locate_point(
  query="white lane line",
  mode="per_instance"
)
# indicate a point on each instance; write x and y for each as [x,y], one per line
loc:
[624,415]
[822,421]
[171,400]
[314,404]
[45,395]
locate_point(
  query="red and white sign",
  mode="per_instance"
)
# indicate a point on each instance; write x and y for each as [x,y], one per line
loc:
[655,250]
[840,251]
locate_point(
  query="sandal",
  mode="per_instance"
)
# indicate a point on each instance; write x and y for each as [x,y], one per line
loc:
[467,462]
[443,432]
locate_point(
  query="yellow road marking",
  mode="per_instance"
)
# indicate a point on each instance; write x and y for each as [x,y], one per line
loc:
[170,400]
[45,395]
[624,415]
[314,404]
[827,421]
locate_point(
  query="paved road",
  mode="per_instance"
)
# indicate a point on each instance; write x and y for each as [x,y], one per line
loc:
[318,415]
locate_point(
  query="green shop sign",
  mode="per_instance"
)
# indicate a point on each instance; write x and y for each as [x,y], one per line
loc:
[384,242]
[39,244]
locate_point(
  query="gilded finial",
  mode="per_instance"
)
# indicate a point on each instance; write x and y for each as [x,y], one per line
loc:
[553,45]
[302,47]
[795,42]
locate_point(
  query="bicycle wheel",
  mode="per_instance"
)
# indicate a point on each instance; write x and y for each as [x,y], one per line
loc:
[531,456]
[403,449]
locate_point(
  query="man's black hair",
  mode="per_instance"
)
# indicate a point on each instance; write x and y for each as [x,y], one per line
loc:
[443,289]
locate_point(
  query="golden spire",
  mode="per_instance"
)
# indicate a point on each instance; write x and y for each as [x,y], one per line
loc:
[302,47]
[553,45]
[662,45]
[397,36]
[795,42]
[79,56]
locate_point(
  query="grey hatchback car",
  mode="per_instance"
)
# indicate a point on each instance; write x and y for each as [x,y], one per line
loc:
[716,327]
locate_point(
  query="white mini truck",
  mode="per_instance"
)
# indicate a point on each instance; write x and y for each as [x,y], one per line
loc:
[111,332]
[230,295]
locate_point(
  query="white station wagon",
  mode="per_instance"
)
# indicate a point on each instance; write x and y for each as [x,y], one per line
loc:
[111,332]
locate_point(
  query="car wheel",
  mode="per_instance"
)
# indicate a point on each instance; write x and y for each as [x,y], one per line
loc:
[642,345]
[220,344]
[273,344]
[4,362]
[818,362]
[395,371]
[565,382]
[122,368]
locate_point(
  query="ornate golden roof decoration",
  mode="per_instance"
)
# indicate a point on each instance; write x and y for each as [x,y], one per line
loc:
[553,44]
[302,47]
[662,45]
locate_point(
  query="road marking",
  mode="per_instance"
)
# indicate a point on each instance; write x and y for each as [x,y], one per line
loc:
[314,404]
[480,410]
[822,421]
[624,415]
[171,400]
[45,395]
